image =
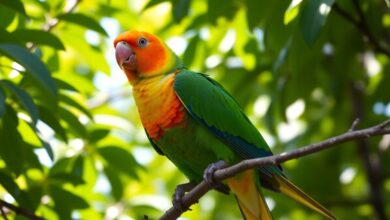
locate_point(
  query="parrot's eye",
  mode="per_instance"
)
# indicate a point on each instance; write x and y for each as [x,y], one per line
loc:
[142,42]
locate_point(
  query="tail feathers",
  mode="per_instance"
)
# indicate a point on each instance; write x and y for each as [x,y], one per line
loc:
[261,213]
[252,204]
[289,189]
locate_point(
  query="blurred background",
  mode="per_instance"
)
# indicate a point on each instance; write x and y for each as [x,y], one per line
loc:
[71,142]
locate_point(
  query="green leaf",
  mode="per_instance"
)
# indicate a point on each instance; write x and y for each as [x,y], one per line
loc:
[2,102]
[8,183]
[48,149]
[313,17]
[180,9]
[78,166]
[15,5]
[198,22]
[83,20]
[215,9]
[39,37]
[11,147]
[53,62]
[152,3]
[35,193]
[69,101]
[64,85]
[258,12]
[73,122]
[38,92]
[6,37]
[189,55]
[282,57]
[115,182]
[25,100]
[276,34]
[12,188]
[98,134]
[6,18]
[121,159]
[62,165]
[52,121]
[66,178]
[68,170]
[31,158]
[90,58]
[32,64]
[291,13]
[66,201]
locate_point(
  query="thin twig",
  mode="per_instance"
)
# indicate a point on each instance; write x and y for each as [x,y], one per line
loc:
[361,25]
[203,187]
[53,22]
[354,124]
[343,13]
[20,211]
[366,30]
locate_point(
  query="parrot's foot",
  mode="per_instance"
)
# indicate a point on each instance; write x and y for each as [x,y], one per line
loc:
[209,173]
[180,191]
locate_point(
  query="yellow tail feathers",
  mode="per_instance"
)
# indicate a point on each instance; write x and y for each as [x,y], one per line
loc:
[289,189]
[251,203]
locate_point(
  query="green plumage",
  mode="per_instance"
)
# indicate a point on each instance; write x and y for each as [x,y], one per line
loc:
[205,99]
[193,121]
[215,128]
[192,148]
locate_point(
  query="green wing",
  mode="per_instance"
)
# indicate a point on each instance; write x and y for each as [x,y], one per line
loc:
[209,104]
[156,148]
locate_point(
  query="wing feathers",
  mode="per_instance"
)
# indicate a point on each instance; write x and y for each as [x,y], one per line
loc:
[209,104]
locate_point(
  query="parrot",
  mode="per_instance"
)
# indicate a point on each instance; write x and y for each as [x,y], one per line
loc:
[192,120]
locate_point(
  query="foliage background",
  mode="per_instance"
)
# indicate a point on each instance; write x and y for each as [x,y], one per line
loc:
[71,143]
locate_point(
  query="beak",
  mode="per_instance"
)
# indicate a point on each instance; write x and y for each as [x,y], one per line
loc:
[125,57]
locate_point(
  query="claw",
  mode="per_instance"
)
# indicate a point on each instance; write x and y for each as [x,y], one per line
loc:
[209,176]
[180,191]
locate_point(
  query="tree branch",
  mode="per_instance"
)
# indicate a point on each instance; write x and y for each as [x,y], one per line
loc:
[371,160]
[361,25]
[203,187]
[19,211]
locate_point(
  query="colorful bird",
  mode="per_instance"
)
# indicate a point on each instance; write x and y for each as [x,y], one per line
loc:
[195,122]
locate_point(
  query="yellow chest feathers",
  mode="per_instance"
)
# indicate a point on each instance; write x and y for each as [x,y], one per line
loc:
[158,105]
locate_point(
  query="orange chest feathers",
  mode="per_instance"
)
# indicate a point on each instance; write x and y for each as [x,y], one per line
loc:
[158,105]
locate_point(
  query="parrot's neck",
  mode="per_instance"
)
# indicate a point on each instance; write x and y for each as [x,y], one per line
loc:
[157,103]
[170,65]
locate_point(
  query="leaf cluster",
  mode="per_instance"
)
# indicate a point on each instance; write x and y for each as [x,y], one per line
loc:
[71,143]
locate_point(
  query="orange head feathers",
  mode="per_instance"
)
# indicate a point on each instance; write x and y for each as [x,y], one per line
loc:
[143,55]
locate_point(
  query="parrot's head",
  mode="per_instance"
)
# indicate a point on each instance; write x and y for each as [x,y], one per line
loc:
[142,55]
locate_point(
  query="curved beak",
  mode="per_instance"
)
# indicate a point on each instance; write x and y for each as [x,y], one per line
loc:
[125,56]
